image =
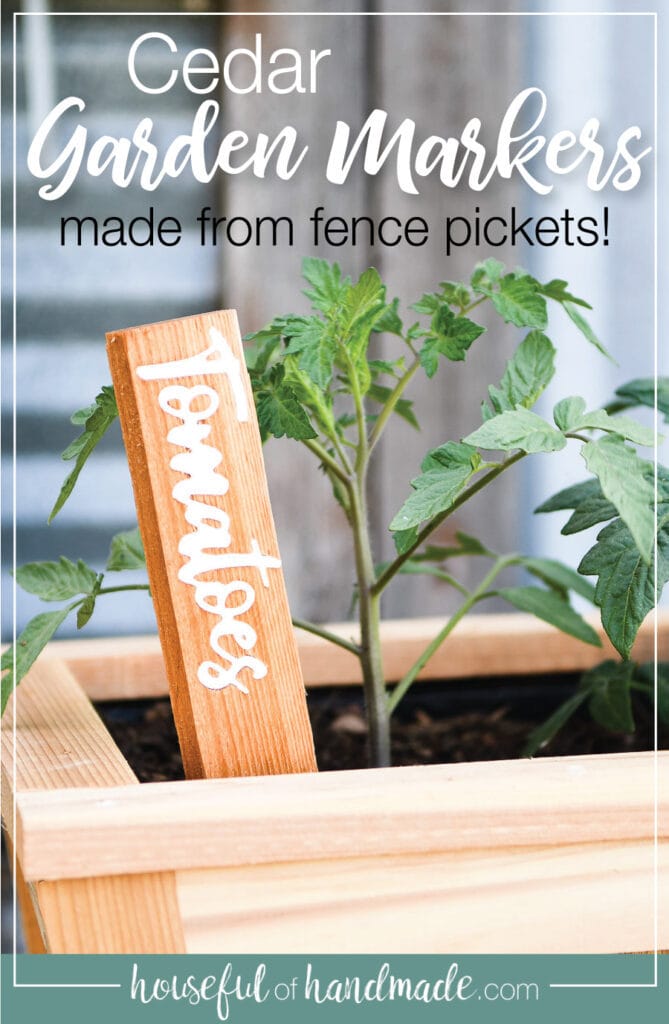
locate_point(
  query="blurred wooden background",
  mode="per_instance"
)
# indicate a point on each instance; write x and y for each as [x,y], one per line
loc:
[432,74]
[430,71]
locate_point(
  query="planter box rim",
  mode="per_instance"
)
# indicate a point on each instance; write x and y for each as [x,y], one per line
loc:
[418,859]
[485,645]
[477,805]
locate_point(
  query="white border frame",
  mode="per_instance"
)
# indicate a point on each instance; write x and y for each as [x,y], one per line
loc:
[650,13]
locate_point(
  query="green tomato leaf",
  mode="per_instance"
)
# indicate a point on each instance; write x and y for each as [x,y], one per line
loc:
[624,481]
[466,545]
[455,293]
[389,322]
[450,293]
[434,492]
[428,303]
[429,357]
[569,412]
[85,610]
[316,345]
[584,327]
[104,412]
[403,407]
[79,417]
[362,305]
[625,589]
[622,426]
[642,392]
[413,567]
[16,662]
[126,552]
[558,576]
[589,504]
[364,301]
[87,606]
[526,375]
[261,347]
[590,513]
[518,428]
[557,290]
[446,470]
[328,287]
[404,540]
[544,733]
[56,581]
[570,415]
[450,454]
[281,415]
[520,302]
[381,366]
[316,402]
[486,274]
[608,686]
[645,674]
[549,606]
[571,497]
[450,336]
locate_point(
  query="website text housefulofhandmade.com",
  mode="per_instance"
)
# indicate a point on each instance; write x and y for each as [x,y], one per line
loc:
[231,988]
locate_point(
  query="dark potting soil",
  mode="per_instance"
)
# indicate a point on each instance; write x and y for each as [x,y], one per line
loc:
[436,724]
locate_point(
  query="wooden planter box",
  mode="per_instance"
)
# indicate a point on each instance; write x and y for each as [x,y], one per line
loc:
[543,856]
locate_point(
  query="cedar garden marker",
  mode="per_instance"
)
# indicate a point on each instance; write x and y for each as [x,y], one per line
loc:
[192,440]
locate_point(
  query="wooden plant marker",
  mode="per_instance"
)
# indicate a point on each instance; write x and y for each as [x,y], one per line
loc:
[194,450]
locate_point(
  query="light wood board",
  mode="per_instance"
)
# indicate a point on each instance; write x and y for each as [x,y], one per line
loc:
[60,742]
[487,857]
[482,645]
[581,898]
[194,451]
[232,822]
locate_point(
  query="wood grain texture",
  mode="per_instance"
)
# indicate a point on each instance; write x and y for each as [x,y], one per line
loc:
[488,857]
[391,64]
[528,900]
[232,822]
[430,50]
[263,729]
[53,742]
[60,740]
[27,904]
[265,281]
[482,645]
[112,914]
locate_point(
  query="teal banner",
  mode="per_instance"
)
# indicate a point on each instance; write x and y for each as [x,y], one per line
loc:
[369,989]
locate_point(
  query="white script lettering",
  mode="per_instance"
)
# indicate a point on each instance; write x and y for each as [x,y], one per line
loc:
[192,406]
[467,159]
